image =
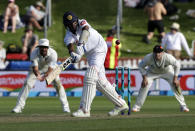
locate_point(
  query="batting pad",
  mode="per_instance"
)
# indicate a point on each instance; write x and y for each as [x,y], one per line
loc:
[104,86]
[89,89]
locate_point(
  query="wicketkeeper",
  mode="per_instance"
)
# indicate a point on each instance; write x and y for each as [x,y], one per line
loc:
[89,42]
[44,60]
[160,65]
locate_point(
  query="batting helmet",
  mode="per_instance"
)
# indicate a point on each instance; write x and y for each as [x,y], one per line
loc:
[68,18]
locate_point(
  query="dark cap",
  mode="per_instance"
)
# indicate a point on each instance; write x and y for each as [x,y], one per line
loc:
[158,49]
[68,18]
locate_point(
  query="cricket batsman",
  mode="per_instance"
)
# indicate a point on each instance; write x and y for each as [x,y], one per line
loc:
[44,60]
[89,42]
[160,65]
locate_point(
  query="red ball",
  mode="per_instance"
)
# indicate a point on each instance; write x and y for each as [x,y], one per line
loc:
[117,42]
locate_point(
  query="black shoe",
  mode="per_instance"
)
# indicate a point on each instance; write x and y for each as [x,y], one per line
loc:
[146,40]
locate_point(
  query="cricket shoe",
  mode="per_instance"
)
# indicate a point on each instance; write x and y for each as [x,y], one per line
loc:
[66,109]
[17,109]
[135,108]
[184,109]
[117,110]
[81,113]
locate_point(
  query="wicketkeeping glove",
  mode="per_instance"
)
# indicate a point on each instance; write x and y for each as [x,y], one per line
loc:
[75,57]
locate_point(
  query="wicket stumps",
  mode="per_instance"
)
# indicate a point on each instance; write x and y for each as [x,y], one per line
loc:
[122,91]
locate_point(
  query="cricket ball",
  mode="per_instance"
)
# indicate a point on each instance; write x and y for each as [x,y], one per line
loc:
[117,42]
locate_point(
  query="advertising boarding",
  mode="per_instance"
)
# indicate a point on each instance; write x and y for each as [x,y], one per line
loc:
[73,80]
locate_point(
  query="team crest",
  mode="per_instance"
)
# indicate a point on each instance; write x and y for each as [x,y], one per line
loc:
[69,17]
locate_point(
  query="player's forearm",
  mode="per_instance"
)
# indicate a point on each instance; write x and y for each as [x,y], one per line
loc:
[175,77]
[144,76]
[70,48]
[176,81]
[36,71]
[48,72]
[144,81]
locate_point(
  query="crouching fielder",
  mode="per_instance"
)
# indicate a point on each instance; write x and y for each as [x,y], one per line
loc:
[44,59]
[160,65]
[89,42]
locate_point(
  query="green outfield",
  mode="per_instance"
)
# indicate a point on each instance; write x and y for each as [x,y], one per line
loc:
[160,113]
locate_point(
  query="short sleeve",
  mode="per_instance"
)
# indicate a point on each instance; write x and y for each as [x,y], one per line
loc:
[52,59]
[34,58]
[68,38]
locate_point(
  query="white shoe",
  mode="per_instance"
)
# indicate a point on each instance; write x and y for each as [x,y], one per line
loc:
[135,108]
[184,109]
[17,109]
[117,110]
[66,109]
[80,113]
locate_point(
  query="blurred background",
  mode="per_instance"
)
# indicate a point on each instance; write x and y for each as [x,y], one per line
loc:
[102,15]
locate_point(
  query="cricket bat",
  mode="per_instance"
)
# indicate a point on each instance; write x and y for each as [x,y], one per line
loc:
[58,70]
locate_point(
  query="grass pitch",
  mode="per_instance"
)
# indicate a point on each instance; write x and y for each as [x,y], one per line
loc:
[159,113]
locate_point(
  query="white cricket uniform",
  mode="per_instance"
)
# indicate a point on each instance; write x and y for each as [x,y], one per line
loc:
[166,69]
[43,64]
[95,50]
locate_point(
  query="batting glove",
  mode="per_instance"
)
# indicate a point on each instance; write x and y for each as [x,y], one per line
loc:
[75,57]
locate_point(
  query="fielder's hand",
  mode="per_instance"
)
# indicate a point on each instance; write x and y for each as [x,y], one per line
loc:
[75,57]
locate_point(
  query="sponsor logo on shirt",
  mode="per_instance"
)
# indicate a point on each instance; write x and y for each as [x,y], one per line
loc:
[83,22]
